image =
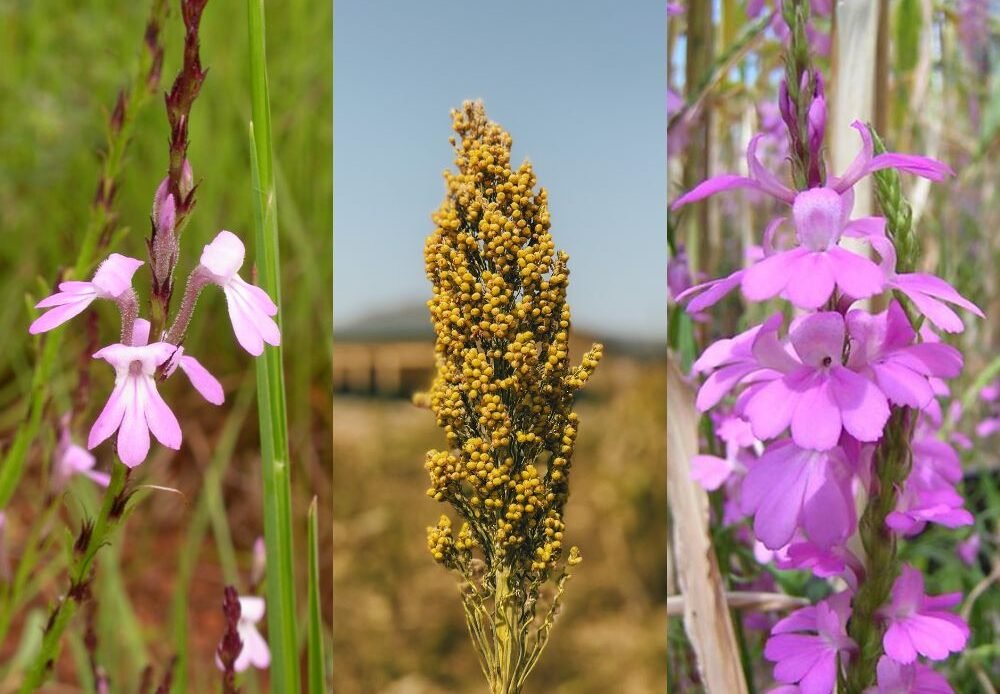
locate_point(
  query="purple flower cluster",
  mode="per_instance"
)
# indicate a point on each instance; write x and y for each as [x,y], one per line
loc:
[135,408]
[801,409]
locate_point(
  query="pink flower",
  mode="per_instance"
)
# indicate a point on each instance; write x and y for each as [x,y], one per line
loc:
[815,394]
[968,549]
[203,381]
[112,280]
[250,308]
[711,471]
[135,408]
[882,348]
[810,659]
[915,678]
[728,362]
[927,498]
[920,624]
[808,273]
[930,294]
[863,164]
[824,562]
[259,563]
[71,459]
[790,488]
[255,650]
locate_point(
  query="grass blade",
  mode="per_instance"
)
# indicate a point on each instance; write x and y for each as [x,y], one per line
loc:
[317,674]
[271,382]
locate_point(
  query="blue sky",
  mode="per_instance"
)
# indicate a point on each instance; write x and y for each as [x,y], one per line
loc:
[581,88]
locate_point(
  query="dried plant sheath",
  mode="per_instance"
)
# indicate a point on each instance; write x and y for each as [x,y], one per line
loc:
[503,394]
[706,615]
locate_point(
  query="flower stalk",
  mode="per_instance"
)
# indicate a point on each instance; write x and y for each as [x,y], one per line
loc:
[92,536]
[892,464]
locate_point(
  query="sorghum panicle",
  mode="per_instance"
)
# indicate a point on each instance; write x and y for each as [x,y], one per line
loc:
[505,385]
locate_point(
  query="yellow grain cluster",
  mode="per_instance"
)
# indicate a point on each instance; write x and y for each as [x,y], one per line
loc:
[504,387]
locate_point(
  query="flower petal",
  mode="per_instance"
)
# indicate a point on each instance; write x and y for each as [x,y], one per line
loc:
[133,434]
[203,381]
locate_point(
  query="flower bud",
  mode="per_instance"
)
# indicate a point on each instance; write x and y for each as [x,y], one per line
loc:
[816,124]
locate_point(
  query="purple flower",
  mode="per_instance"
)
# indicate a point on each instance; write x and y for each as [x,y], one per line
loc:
[250,308]
[112,280]
[790,488]
[701,296]
[930,294]
[920,624]
[255,650]
[810,659]
[808,273]
[729,361]
[816,395]
[824,562]
[968,549]
[678,272]
[135,408]
[711,471]
[882,347]
[72,459]
[863,164]
[928,496]
[915,678]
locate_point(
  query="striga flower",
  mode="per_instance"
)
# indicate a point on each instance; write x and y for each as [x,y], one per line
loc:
[920,624]
[816,395]
[968,549]
[711,471]
[808,273]
[250,308]
[882,348]
[200,377]
[790,488]
[135,408]
[72,459]
[929,494]
[863,164]
[113,280]
[255,650]
[930,294]
[730,361]
[806,645]
[914,678]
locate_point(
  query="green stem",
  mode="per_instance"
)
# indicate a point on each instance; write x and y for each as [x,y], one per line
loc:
[507,635]
[891,467]
[80,570]
[278,538]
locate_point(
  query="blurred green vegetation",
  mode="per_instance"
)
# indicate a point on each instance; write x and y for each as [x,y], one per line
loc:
[63,64]
[398,623]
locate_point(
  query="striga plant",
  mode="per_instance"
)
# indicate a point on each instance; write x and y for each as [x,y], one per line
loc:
[503,394]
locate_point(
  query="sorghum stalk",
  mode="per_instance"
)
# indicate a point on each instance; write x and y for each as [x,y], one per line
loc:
[92,537]
[100,227]
[503,394]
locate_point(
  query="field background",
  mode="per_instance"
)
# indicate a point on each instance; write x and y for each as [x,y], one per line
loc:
[63,63]
[398,621]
